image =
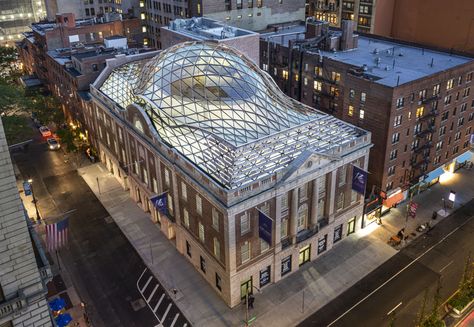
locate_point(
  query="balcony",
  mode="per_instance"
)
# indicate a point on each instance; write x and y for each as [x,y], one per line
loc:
[430,114]
[424,131]
[427,145]
[430,99]
[9,308]
[286,242]
[307,233]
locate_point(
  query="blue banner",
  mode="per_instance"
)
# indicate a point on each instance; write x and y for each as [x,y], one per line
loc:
[161,203]
[265,227]
[359,179]
[27,188]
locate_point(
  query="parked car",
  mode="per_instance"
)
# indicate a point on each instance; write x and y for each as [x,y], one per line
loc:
[45,131]
[53,144]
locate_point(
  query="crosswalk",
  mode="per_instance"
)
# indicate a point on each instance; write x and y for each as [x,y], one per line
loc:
[159,302]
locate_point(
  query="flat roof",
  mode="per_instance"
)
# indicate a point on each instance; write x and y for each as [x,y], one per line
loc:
[389,63]
[200,28]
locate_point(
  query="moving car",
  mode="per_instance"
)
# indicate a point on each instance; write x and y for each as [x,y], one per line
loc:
[45,131]
[53,144]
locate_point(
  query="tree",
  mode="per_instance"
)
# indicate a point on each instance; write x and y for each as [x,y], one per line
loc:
[68,137]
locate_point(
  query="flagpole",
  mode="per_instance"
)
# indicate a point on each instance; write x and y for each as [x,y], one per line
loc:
[57,258]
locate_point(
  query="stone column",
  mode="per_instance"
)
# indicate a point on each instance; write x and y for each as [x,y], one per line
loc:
[314,203]
[293,215]
[277,222]
[332,193]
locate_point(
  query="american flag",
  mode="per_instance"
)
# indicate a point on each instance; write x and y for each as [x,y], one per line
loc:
[57,234]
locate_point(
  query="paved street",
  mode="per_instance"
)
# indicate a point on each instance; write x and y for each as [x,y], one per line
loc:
[404,278]
[103,264]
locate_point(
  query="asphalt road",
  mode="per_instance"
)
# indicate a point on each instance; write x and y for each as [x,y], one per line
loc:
[103,265]
[399,284]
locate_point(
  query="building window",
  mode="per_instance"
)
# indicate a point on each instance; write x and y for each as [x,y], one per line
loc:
[318,86]
[203,264]
[351,226]
[393,154]
[318,71]
[218,282]
[447,100]
[337,233]
[265,276]
[442,130]
[265,67]
[284,202]
[436,89]
[284,228]
[201,232]
[286,265]
[461,121]
[303,192]
[245,251]
[352,93]
[188,249]
[341,177]
[167,177]
[353,196]
[215,219]
[145,176]
[244,224]
[419,112]
[397,121]
[361,113]
[302,218]
[363,97]
[322,244]
[186,217]
[336,77]
[154,183]
[391,171]
[217,248]
[395,138]
[351,111]
[449,84]
[198,204]
[264,246]
[340,201]
[469,77]
[284,74]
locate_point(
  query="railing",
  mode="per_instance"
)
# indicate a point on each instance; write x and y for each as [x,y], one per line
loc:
[430,114]
[430,99]
[10,307]
[305,234]
[285,243]
[427,145]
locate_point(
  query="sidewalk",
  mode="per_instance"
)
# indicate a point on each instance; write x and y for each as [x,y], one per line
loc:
[281,304]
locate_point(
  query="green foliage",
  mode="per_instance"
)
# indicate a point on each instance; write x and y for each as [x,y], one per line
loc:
[9,65]
[67,137]
[17,129]
[465,292]
[431,319]
[47,109]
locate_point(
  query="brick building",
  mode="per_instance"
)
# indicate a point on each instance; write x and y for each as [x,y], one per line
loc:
[416,102]
[202,128]
[24,268]
[253,15]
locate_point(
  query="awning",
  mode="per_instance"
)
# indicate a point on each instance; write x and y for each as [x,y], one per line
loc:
[464,157]
[393,199]
[434,174]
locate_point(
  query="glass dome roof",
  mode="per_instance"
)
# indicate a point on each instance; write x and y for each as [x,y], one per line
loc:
[223,112]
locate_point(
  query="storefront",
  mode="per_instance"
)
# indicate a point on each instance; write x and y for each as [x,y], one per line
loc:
[392,199]
[373,211]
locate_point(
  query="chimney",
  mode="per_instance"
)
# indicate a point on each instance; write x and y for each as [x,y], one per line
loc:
[66,20]
[348,37]
[315,28]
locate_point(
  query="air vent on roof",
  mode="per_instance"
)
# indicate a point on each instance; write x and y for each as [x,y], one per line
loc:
[364,67]
[376,51]
[400,54]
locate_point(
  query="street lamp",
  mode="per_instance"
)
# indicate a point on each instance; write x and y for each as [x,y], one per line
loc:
[34,199]
[247,305]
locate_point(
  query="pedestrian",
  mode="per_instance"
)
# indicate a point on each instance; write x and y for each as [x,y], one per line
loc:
[251,300]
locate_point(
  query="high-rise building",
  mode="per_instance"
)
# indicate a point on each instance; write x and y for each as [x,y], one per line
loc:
[24,268]
[252,184]
[253,15]
[16,18]
[416,102]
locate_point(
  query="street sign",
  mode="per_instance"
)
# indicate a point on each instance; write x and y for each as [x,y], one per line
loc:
[27,188]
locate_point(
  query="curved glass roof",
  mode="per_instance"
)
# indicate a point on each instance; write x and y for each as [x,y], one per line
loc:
[222,112]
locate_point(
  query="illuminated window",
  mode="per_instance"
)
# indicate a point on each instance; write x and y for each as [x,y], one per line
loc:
[336,77]
[419,112]
[318,86]
[351,111]
[449,84]
[361,113]
[144,29]
[318,71]
[284,74]
[142,3]
[199,9]
[142,15]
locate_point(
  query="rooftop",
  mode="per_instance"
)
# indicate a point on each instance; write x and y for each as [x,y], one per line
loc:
[201,28]
[220,111]
[389,63]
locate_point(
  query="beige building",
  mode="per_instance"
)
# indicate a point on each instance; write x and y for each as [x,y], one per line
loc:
[256,184]
[22,282]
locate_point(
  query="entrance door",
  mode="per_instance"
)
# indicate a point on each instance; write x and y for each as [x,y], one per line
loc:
[246,287]
[305,254]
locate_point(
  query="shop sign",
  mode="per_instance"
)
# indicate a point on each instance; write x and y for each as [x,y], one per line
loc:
[322,244]
[264,276]
[286,265]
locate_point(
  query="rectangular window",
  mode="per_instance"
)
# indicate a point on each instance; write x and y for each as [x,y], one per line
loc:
[363,97]
[201,232]
[336,77]
[318,86]
[218,282]
[284,74]
[198,204]
[154,183]
[303,192]
[264,246]
[217,248]
[361,113]
[337,233]
[342,175]
[244,224]
[395,137]
[286,265]
[184,191]
[340,201]
[215,219]
[318,71]
[188,249]
[167,177]
[284,201]
[393,154]
[203,264]
[265,276]
[419,112]
[284,228]
[391,171]
[436,89]
[186,218]
[322,244]
[351,226]
[449,84]
[397,121]
[245,251]
[353,196]
[351,111]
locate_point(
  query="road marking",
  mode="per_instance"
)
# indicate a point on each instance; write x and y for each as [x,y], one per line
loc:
[159,302]
[395,308]
[146,285]
[166,312]
[446,266]
[174,320]
[399,272]
[152,293]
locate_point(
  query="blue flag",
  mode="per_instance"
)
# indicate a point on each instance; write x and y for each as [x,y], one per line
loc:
[265,227]
[161,203]
[359,179]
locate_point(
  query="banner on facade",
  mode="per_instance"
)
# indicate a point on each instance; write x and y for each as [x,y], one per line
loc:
[322,243]
[264,276]
[471,139]
[161,203]
[337,233]
[359,179]
[412,209]
[265,224]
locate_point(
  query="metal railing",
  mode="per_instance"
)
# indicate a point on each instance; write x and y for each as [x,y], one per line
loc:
[12,306]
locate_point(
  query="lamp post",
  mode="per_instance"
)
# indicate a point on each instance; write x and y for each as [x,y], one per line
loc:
[34,199]
[247,304]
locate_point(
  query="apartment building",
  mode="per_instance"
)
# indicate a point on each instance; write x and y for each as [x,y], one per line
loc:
[252,15]
[255,183]
[86,9]
[416,102]
[24,268]
[16,18]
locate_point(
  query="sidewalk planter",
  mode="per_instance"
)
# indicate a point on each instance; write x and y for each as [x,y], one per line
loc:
[458,305]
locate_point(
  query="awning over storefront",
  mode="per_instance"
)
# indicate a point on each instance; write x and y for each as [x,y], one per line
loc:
[393,199]
[434,174]
[465,156]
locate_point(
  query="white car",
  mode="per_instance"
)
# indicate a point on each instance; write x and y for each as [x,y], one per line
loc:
[45,131]
[53,144]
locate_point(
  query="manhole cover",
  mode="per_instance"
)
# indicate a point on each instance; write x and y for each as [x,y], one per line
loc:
[138,304]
